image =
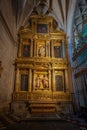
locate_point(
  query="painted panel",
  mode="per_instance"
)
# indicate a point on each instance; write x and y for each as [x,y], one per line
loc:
[42,28]
[24,82]
[26,50]
[59,83]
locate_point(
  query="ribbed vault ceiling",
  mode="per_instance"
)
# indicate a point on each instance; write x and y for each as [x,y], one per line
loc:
[16,13]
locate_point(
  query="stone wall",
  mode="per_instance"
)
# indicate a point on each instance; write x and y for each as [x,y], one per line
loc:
[8,52]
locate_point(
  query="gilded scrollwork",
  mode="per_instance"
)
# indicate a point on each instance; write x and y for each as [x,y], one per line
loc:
[42,96]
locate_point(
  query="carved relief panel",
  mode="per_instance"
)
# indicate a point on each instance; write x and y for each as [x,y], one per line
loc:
[41,80]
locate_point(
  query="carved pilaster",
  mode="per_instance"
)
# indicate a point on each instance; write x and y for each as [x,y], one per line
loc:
[46,49]
[17,87]
[52,51]
[49,49]
[66,80]
[33,81]
[53,80]
[49,75]
[31,54]
[35,48]
[30,81]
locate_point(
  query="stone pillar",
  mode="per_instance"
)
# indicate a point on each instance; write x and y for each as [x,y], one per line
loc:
[17,87]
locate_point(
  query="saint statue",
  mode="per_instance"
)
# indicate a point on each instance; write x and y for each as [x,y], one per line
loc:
[45,81]
[42,51]
[39,84]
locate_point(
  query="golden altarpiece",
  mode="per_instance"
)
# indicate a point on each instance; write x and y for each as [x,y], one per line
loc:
[42,67]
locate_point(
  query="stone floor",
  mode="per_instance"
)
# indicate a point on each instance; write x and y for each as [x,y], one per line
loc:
[43,125]
[42,122]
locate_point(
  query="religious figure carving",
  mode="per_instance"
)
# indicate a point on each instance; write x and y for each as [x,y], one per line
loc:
[39,84]
[42,51]
[45,81]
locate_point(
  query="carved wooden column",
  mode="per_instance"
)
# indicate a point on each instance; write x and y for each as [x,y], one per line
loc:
[17,87]
[30,80]
[49,48]
[33,80]
[53,80]
[66,80]
[46,49]
[31,53]
[35,48]
[52,51]
[49,75]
